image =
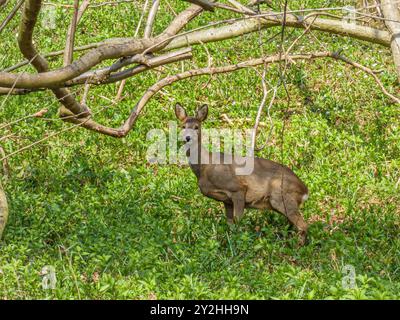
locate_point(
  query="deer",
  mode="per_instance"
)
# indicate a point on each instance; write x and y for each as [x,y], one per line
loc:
[269,185]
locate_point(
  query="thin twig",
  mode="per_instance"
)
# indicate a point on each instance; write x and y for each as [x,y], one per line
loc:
[260,108]
[87,119]
[141,17]
[11,15]
[381,34]
[120,90]
[306,30]
[241,7]
[94,5]
[205,4]
[85,93]
[106,74]
[84,5]
[129,123]
[37,114]
[151,18]
[170,8]
[337,56]
[69,46]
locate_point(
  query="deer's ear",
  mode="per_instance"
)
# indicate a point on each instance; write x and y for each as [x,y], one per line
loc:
[180,112]
[202,113]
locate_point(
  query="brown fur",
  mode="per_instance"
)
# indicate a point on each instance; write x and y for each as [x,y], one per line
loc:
[269,186]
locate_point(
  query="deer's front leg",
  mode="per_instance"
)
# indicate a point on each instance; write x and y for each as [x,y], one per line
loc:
[238,200]
[229,212]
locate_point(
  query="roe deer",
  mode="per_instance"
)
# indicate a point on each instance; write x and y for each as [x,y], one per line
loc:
[269,185]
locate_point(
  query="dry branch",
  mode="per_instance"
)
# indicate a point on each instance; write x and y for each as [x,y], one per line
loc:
[69,46]
[116,48]
[241,7]
[108,75]
[132,50]
[205,4]
[11,15]
[129,123]
[150,20]
[51,54]
[368,71]
[84,5]
[253,24]
[28,21]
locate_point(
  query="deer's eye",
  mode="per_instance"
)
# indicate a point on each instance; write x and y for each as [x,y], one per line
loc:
[196,127]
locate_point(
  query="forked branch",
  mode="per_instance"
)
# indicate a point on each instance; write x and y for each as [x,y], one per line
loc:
[129,123]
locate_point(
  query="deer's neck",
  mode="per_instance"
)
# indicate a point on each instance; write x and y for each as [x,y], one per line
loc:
[198,157]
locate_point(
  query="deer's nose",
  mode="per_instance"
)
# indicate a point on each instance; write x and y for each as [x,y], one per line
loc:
[187,138]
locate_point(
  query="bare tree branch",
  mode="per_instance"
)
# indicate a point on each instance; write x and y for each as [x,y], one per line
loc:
[205,4]
[51,54]
[150,19]
[109,75]
[134,50]
[28,22]
[124,52]
[84,5]
[27,147]
[146,3]
[239,27]
[337,56]
[241,7]
[69,45]
[85,93]
[252,24]
[11,14]
[105,75]
[34,115]
[390,10]
[95,56]
[94,5]
[130,122]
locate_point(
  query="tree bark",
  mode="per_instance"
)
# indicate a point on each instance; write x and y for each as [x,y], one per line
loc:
[3,210]
[26,27]
[117,48]
[249,25]
[391,12]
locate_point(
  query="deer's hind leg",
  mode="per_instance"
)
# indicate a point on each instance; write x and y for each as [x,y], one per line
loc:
[238,200]
[289,207]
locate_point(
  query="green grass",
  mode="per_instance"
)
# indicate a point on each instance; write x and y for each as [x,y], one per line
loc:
[114,226]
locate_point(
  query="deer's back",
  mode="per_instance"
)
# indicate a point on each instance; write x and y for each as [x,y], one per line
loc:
[269,177]
[219,181]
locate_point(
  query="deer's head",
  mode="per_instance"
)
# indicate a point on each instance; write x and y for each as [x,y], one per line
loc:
[191,125]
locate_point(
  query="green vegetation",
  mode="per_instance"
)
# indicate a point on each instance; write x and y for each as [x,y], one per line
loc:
[115,226]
